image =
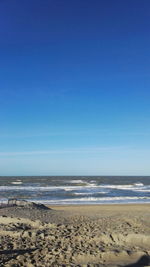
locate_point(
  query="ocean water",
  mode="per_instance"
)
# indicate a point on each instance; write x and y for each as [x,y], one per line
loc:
[61,190]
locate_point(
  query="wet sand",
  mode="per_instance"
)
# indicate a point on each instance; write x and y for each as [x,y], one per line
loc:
[96,235]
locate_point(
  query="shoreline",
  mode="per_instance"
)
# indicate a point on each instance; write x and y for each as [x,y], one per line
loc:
[96,205]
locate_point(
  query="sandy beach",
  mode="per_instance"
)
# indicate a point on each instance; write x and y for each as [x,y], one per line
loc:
[96,235]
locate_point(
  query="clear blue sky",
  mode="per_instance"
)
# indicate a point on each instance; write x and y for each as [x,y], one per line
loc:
[74,87]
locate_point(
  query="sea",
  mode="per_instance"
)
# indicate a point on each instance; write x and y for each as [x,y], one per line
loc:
[70,190]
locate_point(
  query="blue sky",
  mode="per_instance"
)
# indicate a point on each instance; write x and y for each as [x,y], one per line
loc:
[74,87]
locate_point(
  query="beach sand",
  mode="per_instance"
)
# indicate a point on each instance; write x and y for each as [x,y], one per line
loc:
[96,235]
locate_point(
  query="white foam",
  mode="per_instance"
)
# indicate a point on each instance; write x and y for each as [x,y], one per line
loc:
[68,189]
[94,200]
[103,198]
[77,182]
[142,190]
[82,194]
[139,184]
[89,193]
[44,188]
[121,187]
[72,187]
[33,188]
[17,182]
